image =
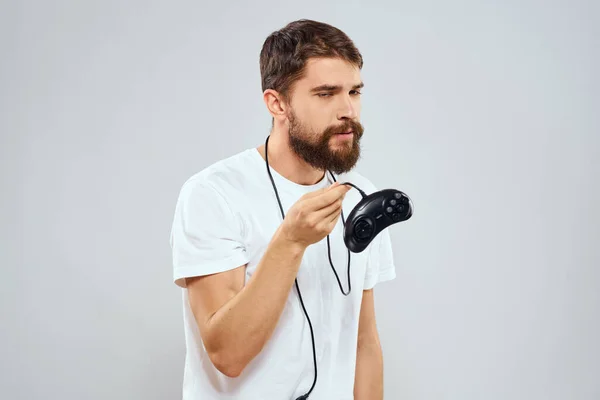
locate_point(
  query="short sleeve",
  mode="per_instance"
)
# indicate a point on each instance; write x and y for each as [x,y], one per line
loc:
[380,264]
[205,236]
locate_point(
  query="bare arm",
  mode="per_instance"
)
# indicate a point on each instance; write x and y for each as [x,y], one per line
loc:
[235,321]
[368,382]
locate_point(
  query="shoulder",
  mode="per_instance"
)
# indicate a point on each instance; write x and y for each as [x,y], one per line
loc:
[221,177]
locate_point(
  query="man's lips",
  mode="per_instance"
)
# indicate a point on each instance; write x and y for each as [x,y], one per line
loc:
[349,135]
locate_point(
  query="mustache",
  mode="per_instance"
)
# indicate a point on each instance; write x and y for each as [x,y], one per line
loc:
[354,126]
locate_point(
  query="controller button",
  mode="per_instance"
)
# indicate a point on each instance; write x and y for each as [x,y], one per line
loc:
[397,195]
[405,200]
[393,202]
[389,209]
[396,217]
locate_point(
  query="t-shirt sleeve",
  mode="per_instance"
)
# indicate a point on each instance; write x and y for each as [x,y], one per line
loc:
[380,264]
[205,236]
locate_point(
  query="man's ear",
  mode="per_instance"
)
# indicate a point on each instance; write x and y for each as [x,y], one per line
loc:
[276,104]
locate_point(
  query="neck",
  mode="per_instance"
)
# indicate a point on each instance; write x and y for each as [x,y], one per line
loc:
[287,163]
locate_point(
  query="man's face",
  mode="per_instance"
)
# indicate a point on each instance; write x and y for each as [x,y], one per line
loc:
[324,113]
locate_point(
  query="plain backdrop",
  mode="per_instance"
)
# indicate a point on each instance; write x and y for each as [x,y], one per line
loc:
[485,112]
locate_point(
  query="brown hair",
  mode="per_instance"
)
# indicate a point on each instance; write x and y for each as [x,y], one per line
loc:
[285,52]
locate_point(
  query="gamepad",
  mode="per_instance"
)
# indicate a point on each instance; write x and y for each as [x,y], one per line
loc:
[374,213]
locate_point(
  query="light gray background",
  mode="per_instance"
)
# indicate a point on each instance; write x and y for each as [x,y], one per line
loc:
[484,112]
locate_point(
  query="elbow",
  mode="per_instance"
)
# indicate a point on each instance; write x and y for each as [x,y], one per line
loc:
[228,358]
[221,355]
[226,364]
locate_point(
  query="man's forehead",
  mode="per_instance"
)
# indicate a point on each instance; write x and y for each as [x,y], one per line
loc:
[331,71]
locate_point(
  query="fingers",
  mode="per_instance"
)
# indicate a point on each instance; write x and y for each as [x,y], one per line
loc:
[326,213]
[331,220]
[333,217]
[327,197]
[324,220]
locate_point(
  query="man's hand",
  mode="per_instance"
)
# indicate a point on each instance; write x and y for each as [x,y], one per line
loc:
[314,215]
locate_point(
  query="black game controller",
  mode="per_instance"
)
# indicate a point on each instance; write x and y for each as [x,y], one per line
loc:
[374,213]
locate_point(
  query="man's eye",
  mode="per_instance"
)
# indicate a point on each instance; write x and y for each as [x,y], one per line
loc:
[324,94]
[356,92]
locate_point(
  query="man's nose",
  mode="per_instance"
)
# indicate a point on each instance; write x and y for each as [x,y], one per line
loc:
[347,109]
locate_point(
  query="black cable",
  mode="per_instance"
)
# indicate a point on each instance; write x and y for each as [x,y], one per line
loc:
[363,194]
[312,335]
[329,251]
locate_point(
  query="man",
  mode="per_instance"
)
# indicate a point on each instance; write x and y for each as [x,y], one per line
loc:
[252,241]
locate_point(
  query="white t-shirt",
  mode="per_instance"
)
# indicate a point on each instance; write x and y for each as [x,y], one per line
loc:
[225,217]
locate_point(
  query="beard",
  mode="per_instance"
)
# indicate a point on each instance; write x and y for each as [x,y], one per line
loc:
[315,148]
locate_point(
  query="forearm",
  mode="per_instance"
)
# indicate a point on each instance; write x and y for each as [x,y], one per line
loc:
[240,329]
[368,382]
